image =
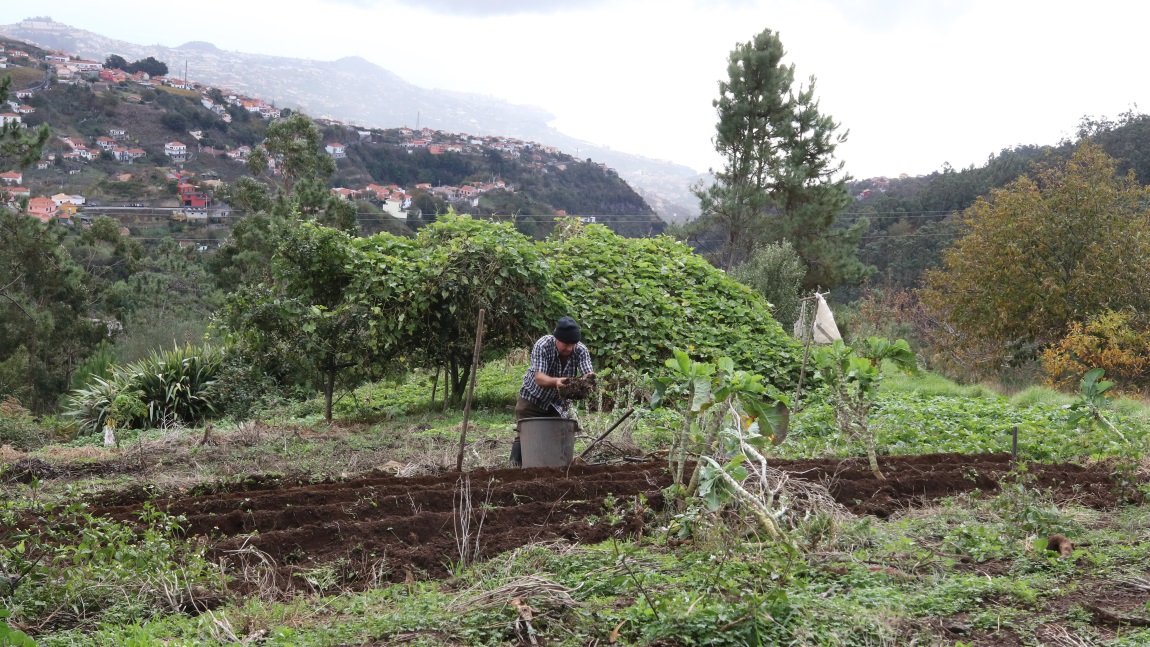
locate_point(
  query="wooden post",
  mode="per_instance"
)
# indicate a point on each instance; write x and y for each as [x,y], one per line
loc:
[1014,445]
[470,390]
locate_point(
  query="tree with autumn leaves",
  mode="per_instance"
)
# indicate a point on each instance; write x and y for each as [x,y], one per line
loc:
[1039,255]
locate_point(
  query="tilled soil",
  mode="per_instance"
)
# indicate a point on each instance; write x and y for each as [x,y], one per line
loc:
[410,524]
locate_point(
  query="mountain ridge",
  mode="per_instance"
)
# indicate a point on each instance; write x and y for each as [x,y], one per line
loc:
[359,92]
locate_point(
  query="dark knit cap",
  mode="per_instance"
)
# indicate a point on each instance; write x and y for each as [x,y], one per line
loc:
[567,331]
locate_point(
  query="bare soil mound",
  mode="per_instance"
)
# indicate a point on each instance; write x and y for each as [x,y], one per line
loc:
[409,524]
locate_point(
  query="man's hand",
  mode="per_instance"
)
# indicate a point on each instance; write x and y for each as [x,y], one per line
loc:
[560,381]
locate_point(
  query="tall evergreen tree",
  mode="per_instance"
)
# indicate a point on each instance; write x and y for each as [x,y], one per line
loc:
[780,180]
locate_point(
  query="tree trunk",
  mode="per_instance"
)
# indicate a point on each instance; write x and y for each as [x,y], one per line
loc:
[328,392]
[465,374]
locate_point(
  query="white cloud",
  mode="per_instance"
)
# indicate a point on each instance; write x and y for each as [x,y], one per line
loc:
[916,83]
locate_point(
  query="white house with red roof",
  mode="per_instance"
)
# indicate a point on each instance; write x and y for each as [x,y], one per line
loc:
[176,150]
[12,177]
[10,117]
[336,150]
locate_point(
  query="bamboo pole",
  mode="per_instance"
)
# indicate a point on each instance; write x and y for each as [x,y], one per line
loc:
[470,390]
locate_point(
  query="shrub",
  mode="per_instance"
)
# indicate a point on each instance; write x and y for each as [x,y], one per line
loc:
[18,428]
[1114,340]
[776,272]
[638,298]
[172,386]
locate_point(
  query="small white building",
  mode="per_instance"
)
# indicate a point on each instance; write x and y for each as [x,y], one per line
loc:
[176,150]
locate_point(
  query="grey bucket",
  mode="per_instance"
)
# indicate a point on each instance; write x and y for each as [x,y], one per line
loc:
[547,442]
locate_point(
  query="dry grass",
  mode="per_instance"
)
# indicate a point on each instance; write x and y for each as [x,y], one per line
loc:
[178,91]
[9,455]
[61,454]
[24,77]
[537,590]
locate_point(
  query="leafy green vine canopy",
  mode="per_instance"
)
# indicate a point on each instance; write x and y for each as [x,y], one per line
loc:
[638,298]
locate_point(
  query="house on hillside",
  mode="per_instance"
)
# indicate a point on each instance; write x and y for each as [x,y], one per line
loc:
[177,151]
[10,117]
[85,65]
[117,133]
[42,208]
[337,151]
[65,211]
[12,177]
[61,198]
[345,194]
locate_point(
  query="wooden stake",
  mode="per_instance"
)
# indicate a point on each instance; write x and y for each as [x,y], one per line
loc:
[470,390]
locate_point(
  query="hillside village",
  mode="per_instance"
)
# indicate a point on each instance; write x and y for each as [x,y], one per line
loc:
[191,196]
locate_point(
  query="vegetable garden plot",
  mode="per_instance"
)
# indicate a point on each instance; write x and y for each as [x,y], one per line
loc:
[409,525]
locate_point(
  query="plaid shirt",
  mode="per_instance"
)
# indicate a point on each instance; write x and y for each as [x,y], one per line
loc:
[545,359]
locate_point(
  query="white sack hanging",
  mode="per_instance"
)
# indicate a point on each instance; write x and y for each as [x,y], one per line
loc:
[825,329]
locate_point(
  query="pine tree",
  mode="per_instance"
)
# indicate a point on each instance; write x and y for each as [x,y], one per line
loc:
[779,180]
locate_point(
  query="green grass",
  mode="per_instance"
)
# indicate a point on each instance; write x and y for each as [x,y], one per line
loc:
[927,383]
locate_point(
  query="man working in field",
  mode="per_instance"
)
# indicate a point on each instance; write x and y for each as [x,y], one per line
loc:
[554,359]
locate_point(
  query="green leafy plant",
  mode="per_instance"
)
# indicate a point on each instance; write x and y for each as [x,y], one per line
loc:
[77,569]
[1086,410]
[10,637]
[853,375]
[177,385]
[721,401]
[637,299]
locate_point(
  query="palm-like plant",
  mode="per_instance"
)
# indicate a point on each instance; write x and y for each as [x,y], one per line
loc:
[175,385]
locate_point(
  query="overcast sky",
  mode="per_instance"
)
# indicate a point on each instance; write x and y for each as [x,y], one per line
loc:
[916,82]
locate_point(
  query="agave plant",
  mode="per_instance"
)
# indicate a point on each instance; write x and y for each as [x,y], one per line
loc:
[176,385]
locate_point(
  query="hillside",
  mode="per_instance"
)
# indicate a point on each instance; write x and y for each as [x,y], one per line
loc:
[912,219]
[357,91]
[542,183]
